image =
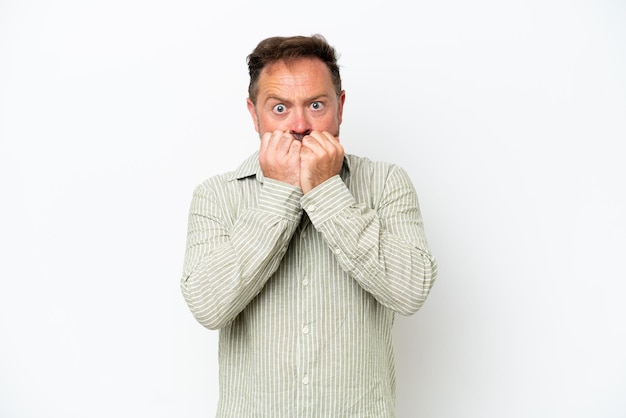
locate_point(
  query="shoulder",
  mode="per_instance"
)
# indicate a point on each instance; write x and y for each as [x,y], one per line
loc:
[365,167]
[248,168]
[213,184]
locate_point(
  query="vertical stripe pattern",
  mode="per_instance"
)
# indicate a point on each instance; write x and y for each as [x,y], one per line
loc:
[304,288]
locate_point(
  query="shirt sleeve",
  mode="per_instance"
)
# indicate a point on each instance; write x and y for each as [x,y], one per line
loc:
[382,247]
[230,256]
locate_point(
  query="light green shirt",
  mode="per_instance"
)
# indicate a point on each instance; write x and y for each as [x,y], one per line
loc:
[303,288]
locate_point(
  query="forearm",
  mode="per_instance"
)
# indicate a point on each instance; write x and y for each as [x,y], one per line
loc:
[382,248]
[230,258]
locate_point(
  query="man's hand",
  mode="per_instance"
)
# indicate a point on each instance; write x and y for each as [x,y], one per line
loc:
[321,158]
[279,157]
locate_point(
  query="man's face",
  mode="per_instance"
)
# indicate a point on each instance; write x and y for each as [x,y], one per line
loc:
[297,97]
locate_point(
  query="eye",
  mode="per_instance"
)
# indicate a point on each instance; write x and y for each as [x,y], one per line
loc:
[280,108]
[317,105]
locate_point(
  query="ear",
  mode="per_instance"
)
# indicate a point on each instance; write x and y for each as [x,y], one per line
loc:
[252,111]
[342,100]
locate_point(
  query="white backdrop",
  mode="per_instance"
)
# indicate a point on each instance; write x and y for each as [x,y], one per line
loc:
[507,115]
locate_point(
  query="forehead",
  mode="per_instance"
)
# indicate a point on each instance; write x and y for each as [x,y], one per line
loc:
[300,72]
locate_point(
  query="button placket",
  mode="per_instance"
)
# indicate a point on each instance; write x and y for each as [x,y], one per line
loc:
[304,303]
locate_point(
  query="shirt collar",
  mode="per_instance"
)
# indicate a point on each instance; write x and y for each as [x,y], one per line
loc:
[251,167]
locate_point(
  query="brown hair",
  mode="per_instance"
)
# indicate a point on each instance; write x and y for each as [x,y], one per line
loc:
[279,48]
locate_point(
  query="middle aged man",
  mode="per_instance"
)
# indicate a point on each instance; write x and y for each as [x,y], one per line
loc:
[302,255]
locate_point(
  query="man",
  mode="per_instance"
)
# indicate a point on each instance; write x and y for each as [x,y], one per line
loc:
[302,255]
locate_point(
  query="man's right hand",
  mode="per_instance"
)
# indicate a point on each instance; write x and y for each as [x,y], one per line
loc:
[279,157]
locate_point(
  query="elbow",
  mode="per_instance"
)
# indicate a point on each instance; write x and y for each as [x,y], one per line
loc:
[424,279]
[413,304]
[410,308]
[205,308]
[209,321]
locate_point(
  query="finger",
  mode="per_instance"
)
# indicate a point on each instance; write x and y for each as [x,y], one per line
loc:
[277,142]
[264,150]
[312,143]
[283,142]
[330,137]
[323,143]
[265,140]
[333,141]
[295,147]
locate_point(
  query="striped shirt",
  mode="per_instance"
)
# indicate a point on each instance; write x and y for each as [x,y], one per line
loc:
[304,288]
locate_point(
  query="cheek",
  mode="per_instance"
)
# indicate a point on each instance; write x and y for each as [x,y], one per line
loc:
[331,121]
[267,124]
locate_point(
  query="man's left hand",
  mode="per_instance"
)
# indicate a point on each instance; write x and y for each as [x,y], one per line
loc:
[321,158]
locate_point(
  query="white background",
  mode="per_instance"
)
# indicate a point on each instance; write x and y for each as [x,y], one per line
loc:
[509,117]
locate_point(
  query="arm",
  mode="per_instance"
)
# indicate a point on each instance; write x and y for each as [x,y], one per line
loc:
[230,257]
[382,248]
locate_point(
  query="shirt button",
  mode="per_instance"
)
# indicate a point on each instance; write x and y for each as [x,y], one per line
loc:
[311,208]
[305,282]
[305,329]
[337,251]
[305,380]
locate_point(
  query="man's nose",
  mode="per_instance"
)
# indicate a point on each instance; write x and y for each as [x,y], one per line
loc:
[300,124]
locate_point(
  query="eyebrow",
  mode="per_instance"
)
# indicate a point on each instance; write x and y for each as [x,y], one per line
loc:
[306,100]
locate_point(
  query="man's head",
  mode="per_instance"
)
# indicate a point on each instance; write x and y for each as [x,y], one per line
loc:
[295,86]
[278,48]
